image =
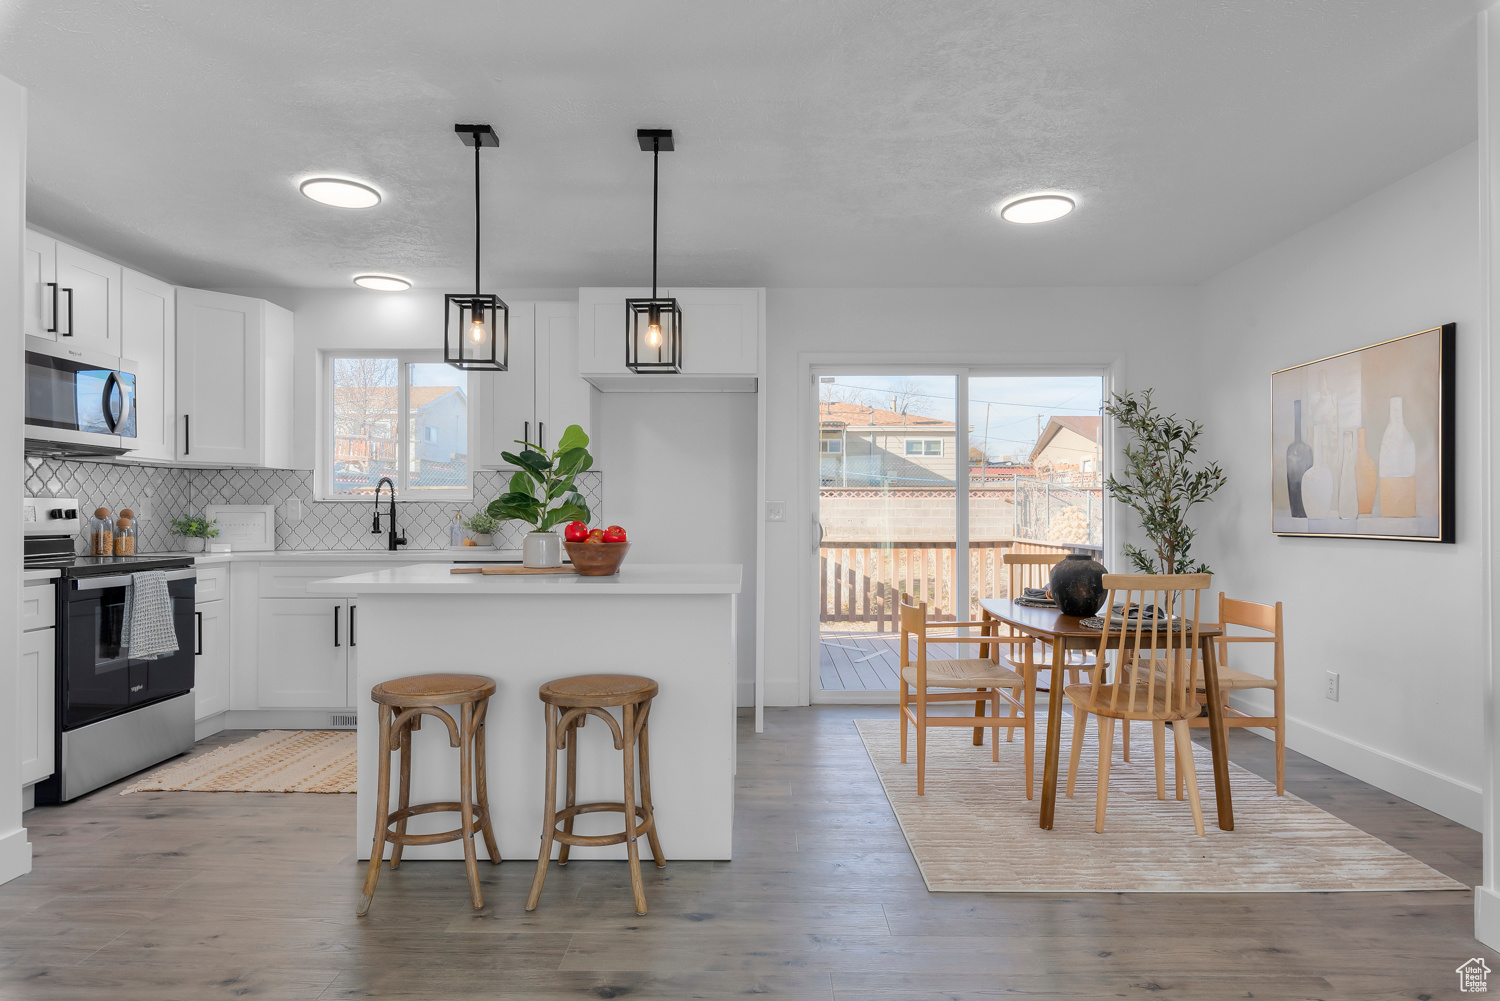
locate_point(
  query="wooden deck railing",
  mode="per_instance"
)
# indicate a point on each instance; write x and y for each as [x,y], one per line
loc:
[862,581]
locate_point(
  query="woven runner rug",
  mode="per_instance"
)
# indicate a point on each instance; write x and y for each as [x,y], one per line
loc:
[975,831]
[271,761]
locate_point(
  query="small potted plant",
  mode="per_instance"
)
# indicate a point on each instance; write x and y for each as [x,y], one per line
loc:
[542,494]
[481,528]
[195,531]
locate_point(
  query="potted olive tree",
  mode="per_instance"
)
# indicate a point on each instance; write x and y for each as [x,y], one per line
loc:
[1160,483]
[542,494]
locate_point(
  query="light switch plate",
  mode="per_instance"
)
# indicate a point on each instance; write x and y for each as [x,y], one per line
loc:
[294,510]
[1331,691]
[776,510]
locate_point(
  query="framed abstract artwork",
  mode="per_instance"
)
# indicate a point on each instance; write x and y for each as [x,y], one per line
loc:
[1362,443]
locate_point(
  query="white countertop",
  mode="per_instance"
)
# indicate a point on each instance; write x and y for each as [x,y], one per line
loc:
[646,578]
[468,554]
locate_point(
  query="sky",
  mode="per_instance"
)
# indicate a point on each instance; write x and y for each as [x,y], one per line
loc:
[1002,409]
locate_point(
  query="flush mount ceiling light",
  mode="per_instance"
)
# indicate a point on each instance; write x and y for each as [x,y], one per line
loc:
[382,283]
[476,328]
[340,192]
[653,327]
[1036,208]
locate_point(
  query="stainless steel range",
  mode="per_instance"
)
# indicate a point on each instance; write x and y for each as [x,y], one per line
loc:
[115,714]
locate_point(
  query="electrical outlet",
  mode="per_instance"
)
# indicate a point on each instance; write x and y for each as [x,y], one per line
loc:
[1332,691]
[776,510]
[294,510]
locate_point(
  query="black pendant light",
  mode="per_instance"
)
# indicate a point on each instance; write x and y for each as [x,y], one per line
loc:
[476,328]
[653,327]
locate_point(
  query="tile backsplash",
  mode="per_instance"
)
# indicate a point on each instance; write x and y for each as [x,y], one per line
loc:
[159,494]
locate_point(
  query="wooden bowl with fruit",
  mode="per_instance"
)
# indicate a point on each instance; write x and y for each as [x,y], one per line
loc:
[596,552]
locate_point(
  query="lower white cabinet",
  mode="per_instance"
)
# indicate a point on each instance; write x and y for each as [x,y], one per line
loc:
[36,689]
[304,653]
[211,665]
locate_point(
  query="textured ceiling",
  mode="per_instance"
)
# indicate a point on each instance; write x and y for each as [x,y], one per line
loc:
[820,142]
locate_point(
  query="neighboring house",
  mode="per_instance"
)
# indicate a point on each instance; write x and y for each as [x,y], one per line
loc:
[1068,450]
[861,446]
[367,419]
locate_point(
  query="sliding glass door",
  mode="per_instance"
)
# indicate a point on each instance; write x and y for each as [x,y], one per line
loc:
[913,500]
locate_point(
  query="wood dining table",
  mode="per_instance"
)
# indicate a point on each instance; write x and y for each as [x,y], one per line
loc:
[1066,632]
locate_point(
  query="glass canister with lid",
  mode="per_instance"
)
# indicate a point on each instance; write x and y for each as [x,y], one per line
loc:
[124,536]
[102,533]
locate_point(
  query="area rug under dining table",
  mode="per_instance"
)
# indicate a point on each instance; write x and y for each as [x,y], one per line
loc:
[975,831]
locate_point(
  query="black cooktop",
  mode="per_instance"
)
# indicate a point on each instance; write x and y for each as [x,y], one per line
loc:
[98,566]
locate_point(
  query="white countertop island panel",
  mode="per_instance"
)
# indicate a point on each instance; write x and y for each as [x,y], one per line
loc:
[672,623]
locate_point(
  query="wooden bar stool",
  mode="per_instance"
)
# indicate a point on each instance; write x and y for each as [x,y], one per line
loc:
[401,704]
[567,704]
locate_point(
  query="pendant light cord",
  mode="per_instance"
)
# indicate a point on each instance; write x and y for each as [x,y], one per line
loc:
[655,185]
[477,142]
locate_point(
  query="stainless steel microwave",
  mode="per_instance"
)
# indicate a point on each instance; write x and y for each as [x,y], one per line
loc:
[78,403]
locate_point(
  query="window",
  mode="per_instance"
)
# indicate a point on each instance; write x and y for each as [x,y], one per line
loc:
[925,446]
[832,446]
[396,414]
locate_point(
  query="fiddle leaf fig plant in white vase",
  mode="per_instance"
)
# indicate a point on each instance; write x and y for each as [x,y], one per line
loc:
[542,494]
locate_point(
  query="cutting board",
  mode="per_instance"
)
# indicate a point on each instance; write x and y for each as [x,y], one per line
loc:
[511,568]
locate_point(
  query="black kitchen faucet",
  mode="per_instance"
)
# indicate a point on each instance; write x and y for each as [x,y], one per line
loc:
[392,539]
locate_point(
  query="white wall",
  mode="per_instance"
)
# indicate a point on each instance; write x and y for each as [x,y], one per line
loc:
[15,852]
[1402,622]
[1144,335]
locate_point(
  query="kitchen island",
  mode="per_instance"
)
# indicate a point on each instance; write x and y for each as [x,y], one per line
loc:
[673,623]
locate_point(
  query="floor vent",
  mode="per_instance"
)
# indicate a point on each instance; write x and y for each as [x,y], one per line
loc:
[340,720]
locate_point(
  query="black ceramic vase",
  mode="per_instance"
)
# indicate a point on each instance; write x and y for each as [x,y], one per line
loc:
[1077,585]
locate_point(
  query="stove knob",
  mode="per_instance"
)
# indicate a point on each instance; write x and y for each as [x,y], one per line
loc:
[57,513]
[72,513]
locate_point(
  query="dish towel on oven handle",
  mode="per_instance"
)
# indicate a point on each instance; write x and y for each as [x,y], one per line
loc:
[148,631]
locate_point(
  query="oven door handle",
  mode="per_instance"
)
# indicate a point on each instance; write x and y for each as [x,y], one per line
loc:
[120,580]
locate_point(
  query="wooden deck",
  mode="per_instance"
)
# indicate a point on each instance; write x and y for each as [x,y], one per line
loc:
[864,661]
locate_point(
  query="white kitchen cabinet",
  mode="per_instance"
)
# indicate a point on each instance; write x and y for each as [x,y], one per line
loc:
[562,395]
[211,663]
[90,304]
[542,392]
[303,653]
[721,334]
[43,300]
[507,400]
[234,380]
[36,713]
[148,338]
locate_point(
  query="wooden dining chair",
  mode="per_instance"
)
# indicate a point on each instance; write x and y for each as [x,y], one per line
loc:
[1169,640]
[1035,570]
[1267,621]
[925,682]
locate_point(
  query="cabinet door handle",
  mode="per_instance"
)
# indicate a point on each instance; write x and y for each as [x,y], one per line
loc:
[541,436]
[187,433]
[69,332]
[53,329]
[352,609]
[198,630]
[526,432]
[336,625]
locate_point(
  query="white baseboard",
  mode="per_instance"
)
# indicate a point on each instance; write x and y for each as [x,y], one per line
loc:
[1442,794]
[28,797]
[15,855]
[1487,916]
[281,719]
[208,727]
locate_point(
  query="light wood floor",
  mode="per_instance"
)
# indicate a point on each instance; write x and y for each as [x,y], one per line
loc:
[190,896]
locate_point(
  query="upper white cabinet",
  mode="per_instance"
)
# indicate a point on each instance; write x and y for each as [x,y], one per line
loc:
[541,392]
[721,334]
[148,338]
[90,303]
[234,380]
[43,299]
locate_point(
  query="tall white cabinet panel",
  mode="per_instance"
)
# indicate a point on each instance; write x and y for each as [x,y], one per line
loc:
[35,710]
[507,400]
[601,328]
[304,653]
[148,337]
[234,380]
[562,396]
[211,665]
[91,313]
[43,301]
